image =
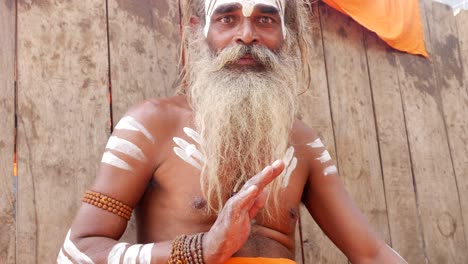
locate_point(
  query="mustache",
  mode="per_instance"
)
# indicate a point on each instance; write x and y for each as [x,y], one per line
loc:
[230,55]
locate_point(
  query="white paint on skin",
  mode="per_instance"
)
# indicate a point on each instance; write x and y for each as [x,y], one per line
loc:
[116,253]
[130,123]
[289,172]
[62,259]
[193,135]
[325,157]
[131,254]
[126,147]
[145,254]
[190,149]
[74,252]
[183,155]
[316,144]
[331,170]
[111,159]
[247,9]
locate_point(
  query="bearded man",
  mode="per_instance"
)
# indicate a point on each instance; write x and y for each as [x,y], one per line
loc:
[200,169]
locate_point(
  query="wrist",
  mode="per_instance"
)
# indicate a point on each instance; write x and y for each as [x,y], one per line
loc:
[212,250]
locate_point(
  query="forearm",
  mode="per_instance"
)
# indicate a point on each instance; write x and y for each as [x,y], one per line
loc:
[384,255]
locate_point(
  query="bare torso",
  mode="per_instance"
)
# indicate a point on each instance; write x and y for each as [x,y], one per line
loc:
[173,203]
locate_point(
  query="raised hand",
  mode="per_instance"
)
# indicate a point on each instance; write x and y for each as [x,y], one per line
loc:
[232,228]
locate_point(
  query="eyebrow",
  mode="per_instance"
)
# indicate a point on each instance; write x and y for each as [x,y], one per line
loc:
[267,9]
[227,8]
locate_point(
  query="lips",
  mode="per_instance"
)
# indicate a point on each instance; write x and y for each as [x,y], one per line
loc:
[247,60]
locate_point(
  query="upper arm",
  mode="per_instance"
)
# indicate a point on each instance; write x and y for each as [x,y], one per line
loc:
[331,206]
[128,163]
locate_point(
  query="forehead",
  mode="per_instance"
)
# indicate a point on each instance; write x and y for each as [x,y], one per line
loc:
[247,5]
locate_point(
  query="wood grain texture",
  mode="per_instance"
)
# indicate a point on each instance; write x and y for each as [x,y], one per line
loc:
[436,190]
[63,116]
[353,117]
[144,43]
[454,96]
[7,117]
[405,229]
[315,111]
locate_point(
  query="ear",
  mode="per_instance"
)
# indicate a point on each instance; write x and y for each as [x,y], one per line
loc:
[194,21]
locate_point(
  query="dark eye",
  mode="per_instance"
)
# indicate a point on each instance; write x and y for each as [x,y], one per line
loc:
[266,20]
[226,19]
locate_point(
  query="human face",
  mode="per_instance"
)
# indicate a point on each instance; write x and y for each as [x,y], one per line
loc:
[244,22]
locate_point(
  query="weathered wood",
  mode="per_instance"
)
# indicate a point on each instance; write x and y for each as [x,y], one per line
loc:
[353,117]
[454,96]
[7,116]
[437,196]
[144,42]
[315,111]
[63,116]
[405,230]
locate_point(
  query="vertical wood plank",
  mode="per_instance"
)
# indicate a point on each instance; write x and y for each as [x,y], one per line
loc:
[7,115]
[63,117]
[144,43]
[353,117]
[454,95]
[405,229]
[315,111]
[462,22]
[436,190]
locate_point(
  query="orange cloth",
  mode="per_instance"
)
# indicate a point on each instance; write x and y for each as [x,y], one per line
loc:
[397,22]
[259,261]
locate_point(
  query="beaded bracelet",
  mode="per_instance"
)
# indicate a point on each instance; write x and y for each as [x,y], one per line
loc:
[107,203]
[187,250]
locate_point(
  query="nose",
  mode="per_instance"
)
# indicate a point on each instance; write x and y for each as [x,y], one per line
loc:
[246,33]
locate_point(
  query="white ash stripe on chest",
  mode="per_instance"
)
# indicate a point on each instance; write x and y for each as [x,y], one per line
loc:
[189,152]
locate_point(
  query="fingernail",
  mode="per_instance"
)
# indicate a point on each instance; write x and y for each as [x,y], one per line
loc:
[277,163]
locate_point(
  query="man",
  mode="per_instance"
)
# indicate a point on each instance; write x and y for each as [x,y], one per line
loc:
[187,163]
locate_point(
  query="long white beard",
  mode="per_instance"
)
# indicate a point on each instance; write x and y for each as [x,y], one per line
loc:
[244,116]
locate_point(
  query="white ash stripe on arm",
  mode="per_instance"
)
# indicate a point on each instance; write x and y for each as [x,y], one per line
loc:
[126,147]
[116,253]
[325,157]
[130,123]
[131,254]
[74,252]
[331,170]
[316,144]
[145,254]
[62,259]
[111,159]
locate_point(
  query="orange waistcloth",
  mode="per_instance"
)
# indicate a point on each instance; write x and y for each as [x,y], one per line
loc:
[259,261]
[397,22]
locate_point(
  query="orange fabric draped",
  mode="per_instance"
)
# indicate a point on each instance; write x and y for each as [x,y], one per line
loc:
[397,22]
[259,261]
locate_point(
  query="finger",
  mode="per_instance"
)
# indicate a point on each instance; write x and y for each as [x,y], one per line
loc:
[245,198]
[266,176]
[258,204]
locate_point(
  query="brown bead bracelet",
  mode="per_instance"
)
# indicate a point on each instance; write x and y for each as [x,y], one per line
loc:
[187,250]
[107,203]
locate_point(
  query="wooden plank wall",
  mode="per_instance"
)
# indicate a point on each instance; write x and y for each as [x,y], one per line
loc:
[395,123]
[7,128]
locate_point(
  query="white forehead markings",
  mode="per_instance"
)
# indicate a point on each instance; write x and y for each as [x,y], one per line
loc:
[126,147]
[330,170]
[111,159]
[130,123]
[290,164]
[74,252]
[247,9]
[316,144]
[325,157]
[116,253]
[131,254]
[62,259]
[145,254]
